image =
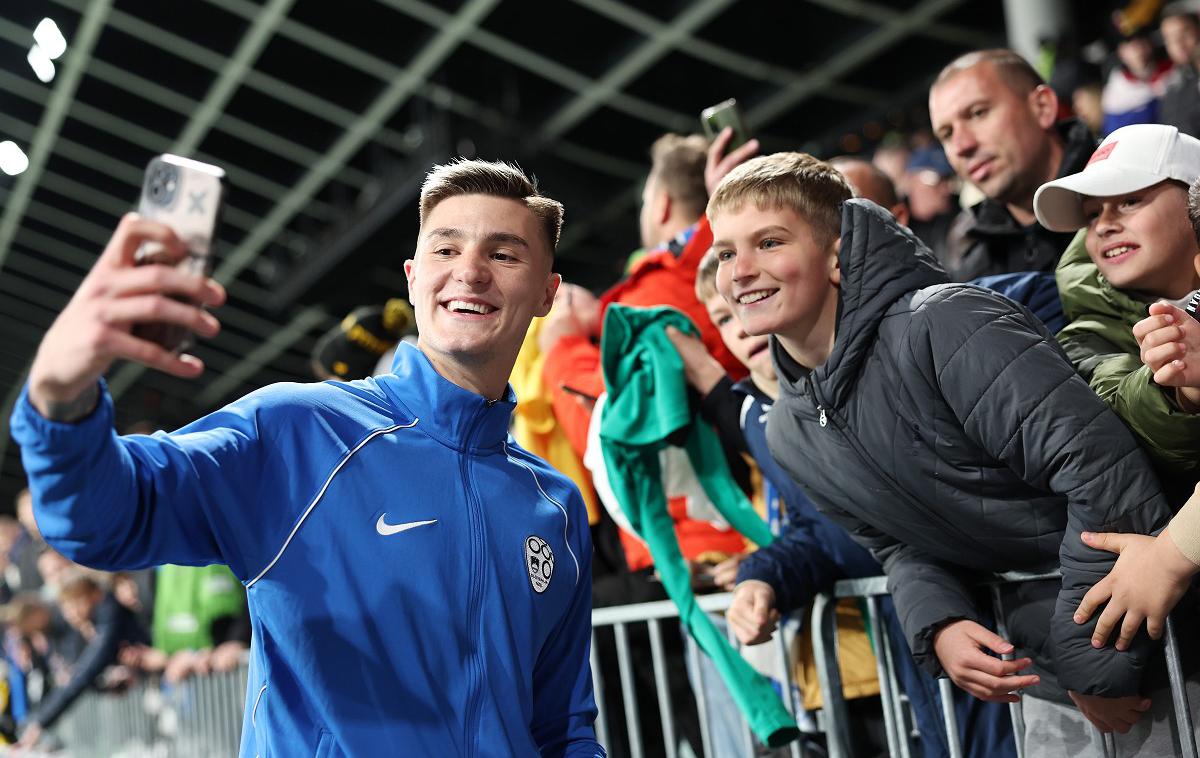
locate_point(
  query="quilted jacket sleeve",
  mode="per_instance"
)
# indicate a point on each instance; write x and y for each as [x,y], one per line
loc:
[1018,397]
[928,593]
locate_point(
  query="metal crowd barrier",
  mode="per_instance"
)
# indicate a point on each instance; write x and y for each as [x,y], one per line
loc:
[198,718]
[653,616]
[870,590]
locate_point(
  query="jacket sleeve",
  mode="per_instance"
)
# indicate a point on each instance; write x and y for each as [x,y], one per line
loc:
[573,377]
[1170,436]
[564,707]
[100,652]
[722,407]
[928,594]
[191,497]
[1016,395]
[795,565]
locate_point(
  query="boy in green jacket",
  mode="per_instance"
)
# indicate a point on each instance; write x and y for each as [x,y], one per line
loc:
[1135,246]
[1152,573]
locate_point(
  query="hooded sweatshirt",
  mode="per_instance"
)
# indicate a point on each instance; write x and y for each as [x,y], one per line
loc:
[948,434]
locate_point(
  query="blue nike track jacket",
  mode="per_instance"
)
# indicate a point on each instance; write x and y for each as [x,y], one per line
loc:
[419,585]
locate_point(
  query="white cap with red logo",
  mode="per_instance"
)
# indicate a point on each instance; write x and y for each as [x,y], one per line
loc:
[1131,158]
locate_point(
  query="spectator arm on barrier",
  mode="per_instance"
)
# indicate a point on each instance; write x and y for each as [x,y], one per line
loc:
[100,652]
[928,594]
[1021,401]
[795,565]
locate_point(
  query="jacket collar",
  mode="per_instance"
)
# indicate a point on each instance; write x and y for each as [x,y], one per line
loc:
[881,261]
[454,416]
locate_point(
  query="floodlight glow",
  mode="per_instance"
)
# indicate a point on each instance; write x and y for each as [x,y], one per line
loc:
[12,158]
[50,39]
[41,63]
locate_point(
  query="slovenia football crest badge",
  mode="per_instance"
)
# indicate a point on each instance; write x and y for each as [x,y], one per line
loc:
[539,561]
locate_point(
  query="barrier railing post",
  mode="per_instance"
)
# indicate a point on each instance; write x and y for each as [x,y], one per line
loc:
[1179,697]
[628,694]
[796,749]
[891,727]
[701,702]
[660,686]
[1016,711]
[946,691]
[829,674]
[747,736]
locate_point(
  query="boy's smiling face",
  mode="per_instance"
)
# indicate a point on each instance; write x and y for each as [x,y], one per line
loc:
[775,274]
[750,350]
[1142,240]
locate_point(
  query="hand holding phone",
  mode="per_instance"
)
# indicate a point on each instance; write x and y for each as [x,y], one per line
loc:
[97,326]
[716,118]
[731,144]
[187,196]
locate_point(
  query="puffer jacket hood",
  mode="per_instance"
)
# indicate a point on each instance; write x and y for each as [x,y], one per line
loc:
[880,261]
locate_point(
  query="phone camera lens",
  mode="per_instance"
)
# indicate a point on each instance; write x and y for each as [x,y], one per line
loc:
[162,185]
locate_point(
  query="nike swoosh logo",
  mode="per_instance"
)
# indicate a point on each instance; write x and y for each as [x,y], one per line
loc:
[386,529]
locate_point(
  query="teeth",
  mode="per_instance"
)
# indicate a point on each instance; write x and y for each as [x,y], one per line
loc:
[463,305]
[1117,251]
[754,297]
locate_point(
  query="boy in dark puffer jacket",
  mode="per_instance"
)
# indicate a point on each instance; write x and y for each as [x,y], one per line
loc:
[943,427]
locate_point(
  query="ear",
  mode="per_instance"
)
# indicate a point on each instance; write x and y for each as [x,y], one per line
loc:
[552,283]
[835,270]
[1043,103]
[665,207]
[410,274]
[900,212]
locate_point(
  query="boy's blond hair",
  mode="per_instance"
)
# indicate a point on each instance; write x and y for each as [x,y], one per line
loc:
[706,276]
[811,188]
[495,178]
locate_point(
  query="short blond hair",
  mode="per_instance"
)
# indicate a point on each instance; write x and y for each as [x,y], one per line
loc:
[810,187]
[495,178]
[677,165]
[706,276]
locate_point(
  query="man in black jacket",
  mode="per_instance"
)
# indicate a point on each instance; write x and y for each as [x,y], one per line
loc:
[996,119]
[943,427]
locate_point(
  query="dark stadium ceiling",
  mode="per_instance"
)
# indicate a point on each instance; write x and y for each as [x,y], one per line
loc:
[326,115]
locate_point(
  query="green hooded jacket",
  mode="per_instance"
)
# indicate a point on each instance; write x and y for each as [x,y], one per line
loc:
[647,403]
[1099,341]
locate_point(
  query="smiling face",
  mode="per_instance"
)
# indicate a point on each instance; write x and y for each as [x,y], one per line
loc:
[750,350]
[775,274]
[1143,241]
[481,272]
[993,135]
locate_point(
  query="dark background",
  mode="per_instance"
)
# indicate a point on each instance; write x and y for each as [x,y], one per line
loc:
[326,115]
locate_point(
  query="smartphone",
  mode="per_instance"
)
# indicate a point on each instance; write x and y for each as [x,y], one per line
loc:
[721,115]
[187,196]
